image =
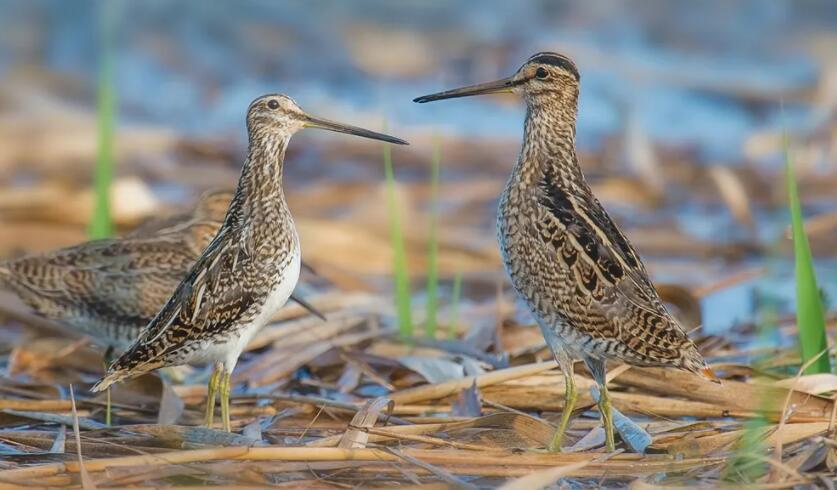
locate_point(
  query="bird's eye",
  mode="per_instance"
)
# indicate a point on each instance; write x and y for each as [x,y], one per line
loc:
[273,104]
[541,73]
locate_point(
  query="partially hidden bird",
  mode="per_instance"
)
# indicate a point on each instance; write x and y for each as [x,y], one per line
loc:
[584,283]
[245,274]
[110,289]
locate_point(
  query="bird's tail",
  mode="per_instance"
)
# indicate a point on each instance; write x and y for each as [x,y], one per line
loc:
[709,374]
[108,380]
[694,362]
[117,373]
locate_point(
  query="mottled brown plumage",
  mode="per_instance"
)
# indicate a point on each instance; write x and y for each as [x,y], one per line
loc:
[577,272]
[246,273]
[110,289]
[211,208]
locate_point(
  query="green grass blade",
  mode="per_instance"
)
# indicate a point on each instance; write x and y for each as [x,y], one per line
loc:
[433,245]
[810,317]
[402,276]
[747,465]
[455,294]
[101,225]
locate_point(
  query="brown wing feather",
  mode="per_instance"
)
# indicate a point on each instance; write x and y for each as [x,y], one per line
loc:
[614,298]
[207,288]
[109,288]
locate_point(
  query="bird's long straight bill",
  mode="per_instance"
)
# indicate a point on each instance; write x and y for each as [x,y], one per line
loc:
[313,122]
[499,86]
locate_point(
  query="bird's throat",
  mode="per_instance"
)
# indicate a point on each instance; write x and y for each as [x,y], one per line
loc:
[549,147]
[259,193]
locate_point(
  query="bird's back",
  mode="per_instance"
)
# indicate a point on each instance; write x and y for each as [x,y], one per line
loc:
[110,289]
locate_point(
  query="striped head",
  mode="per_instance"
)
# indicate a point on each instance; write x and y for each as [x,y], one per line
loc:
[275,113]
[278,115]
[544,77]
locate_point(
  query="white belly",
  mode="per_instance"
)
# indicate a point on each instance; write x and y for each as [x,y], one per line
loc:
[228,352]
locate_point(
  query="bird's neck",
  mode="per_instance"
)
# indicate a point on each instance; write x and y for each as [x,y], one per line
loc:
[259,195]
[549,146]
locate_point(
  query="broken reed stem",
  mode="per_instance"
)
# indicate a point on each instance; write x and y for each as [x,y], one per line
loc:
[388,434]
[37,405]
[441,390]
[465,460]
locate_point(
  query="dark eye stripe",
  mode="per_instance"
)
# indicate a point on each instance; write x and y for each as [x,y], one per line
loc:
[541,73]
[555,59]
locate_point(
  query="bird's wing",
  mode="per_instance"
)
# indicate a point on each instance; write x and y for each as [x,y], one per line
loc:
[207,301]
[126,276]
[614,299]
[57,277]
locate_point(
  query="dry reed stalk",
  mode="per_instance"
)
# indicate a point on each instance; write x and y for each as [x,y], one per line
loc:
[542,478]
[771,436]
[522,424]
[444,457]
[731,394]
[356,435]
[36,405]
[441,390]
[389,434]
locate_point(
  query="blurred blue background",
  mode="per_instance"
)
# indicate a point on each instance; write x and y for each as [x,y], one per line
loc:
[704,74]
[674,95]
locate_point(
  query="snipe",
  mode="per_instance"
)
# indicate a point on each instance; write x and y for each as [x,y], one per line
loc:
[246,273]
[110,289]
[579,275]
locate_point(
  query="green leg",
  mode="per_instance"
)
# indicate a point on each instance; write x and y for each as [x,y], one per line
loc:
[570,397]
[108,408]
[607,417]
[225,401]
[210,396]
[106,363]
[598,369]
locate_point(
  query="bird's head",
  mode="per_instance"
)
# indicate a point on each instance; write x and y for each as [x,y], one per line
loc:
[279,115]
[545,76]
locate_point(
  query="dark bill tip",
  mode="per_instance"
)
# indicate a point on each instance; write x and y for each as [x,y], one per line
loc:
[499,86]
[425,98]
[352,130]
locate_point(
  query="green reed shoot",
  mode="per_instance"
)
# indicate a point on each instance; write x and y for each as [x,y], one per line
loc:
[810,317]
[433,245]
[747,465]
[402,275]
[101,225]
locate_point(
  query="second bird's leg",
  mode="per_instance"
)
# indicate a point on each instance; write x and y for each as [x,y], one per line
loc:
[607,417]
[599,371]
[225,400]
[570,397]
[210,394]
[107,360]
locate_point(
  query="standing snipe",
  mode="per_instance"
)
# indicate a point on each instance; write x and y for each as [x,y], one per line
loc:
[246,273]
[584,283]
